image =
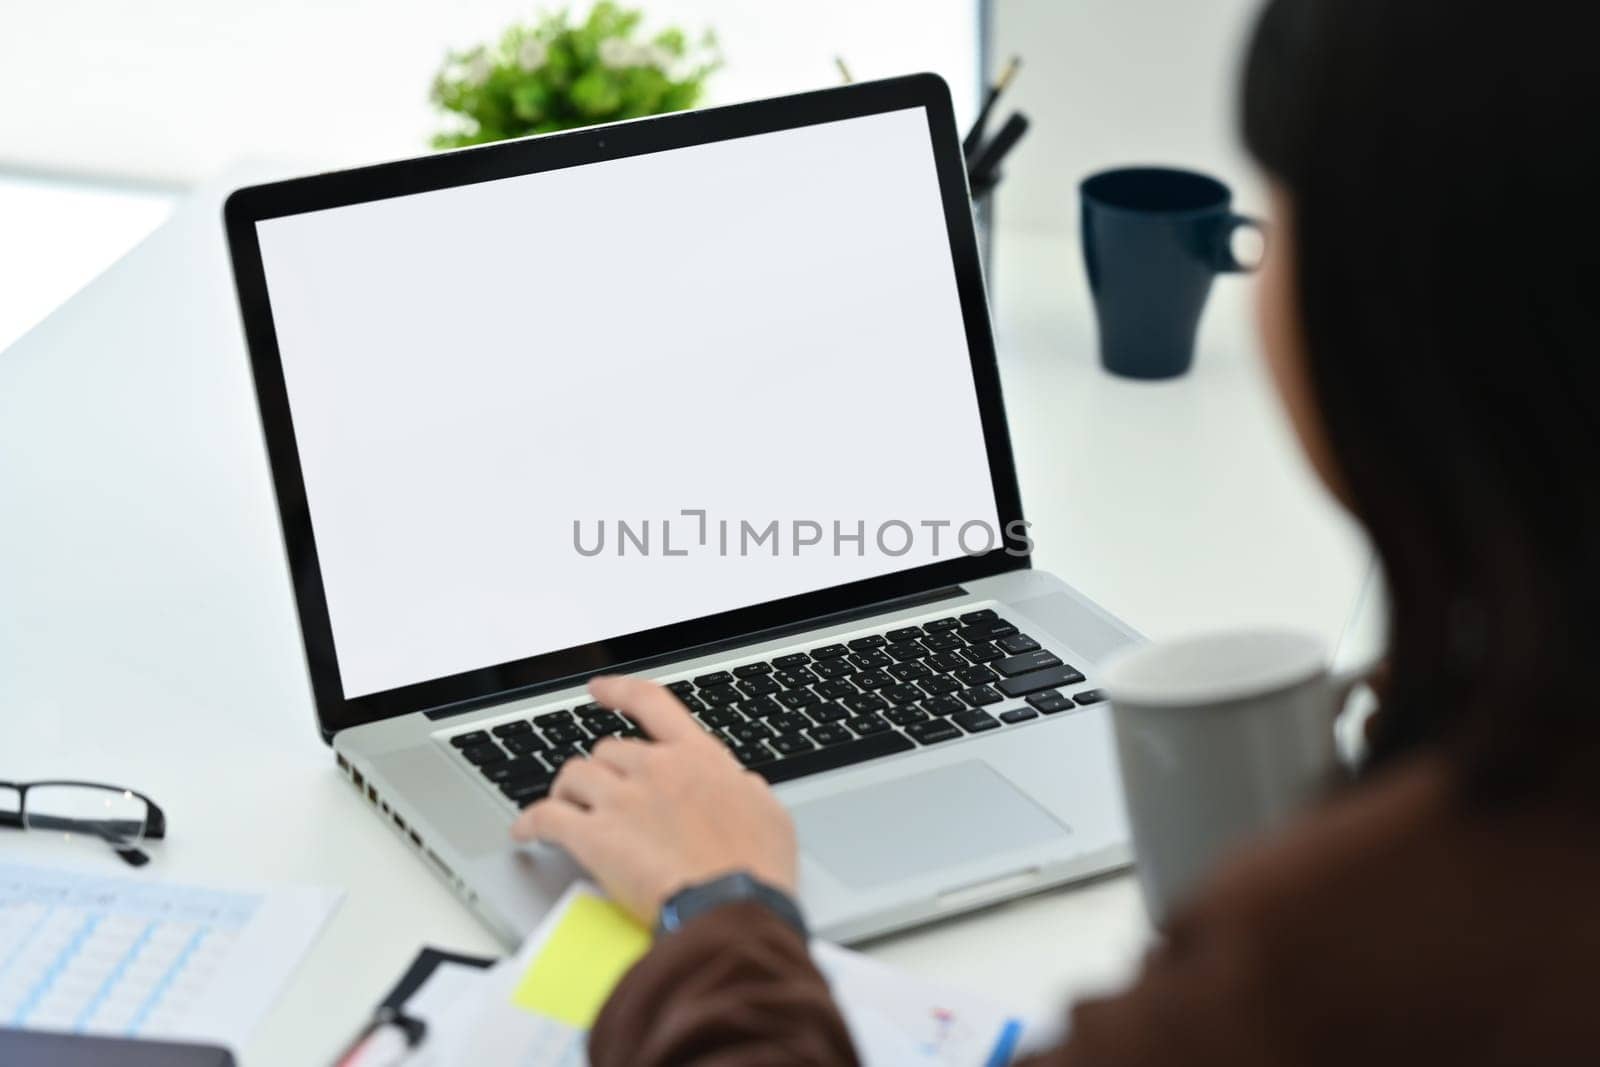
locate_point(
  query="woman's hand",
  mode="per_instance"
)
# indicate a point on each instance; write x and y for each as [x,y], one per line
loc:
[647,818]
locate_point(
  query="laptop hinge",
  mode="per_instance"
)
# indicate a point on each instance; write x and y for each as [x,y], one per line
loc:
[756,637]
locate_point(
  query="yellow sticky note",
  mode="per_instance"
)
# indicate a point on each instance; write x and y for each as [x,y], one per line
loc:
[585,956]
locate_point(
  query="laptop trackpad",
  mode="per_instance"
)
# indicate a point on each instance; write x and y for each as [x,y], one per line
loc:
[921,824]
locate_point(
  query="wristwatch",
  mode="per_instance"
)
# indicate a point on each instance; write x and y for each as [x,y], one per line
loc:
[694,900]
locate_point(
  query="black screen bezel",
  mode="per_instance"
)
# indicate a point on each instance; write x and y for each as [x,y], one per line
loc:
[247,206]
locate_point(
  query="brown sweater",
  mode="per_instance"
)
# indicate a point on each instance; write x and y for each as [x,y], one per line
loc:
[1391,926]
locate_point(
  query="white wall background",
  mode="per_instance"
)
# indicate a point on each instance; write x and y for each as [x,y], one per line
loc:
[176,89]
[1109,82]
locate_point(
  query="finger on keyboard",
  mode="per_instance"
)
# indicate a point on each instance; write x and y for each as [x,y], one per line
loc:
[648,704]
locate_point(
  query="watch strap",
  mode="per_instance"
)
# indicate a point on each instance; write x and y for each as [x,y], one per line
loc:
[694,900]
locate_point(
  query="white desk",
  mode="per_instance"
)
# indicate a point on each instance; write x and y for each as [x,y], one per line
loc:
[147,634]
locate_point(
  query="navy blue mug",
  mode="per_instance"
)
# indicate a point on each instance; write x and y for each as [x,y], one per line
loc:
[1153,239]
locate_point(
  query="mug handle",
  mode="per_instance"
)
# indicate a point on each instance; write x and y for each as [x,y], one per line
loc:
[1222,251]
[1345,683]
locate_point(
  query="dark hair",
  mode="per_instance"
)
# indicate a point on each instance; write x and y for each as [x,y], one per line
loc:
[1440,160]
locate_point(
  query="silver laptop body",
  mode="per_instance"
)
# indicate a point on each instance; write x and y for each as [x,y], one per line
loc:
[928,715]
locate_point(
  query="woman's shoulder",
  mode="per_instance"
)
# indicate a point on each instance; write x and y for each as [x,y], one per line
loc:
[1399,912]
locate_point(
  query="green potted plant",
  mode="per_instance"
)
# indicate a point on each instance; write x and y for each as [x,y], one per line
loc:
[559,74]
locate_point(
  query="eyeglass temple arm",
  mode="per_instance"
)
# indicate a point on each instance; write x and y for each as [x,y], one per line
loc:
[156,825]
[10,818]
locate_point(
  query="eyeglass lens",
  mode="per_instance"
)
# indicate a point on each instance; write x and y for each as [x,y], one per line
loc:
[113,815]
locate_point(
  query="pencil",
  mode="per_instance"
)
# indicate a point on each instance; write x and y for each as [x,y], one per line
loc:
[969,143]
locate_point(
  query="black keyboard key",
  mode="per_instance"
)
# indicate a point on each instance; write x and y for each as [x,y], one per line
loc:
[871,680]
[605,723]
[550,718]
[946,661]
[906,651]
[867,725]
[832,734]
[715,678]
[887,743]
[942,643]
[945,705]
[587,709]
[719,695]
[862,703]
[792,744]
[560,755]
[507,729]
[682,687]
[868,661]
[1051,678]
[751,732]
[524,744]
[1017,644]
[507,770]
[975,721]
[862,644]
[1089,696]
[938,685]
[940,625]
[834,688]
[793,659]
[828,652]
[901,694]
[760,685]
[795,699]
[484,753]
[721,717]
[1037,660]
[1050,701]
[825,713]
[906,716]
[790,722]
[983,652]
[693,703]
[986,631]
[760,707]
[1018,715]
[833,668]
[905,633]
[750,670]
[476,737]
[933,731]
[752,755]
[563,733]
[524,793]
[795,678]
[979,695]
[909,672]
[981,615]
[977,674]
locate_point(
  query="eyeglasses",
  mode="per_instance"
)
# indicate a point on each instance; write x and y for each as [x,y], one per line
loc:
[120,817]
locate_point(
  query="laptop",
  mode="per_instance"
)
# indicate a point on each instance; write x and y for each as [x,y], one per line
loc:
[709,398]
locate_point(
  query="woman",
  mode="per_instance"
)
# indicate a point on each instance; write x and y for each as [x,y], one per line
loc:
[1429,311]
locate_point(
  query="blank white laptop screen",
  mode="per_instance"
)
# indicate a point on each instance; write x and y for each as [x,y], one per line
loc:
[764,329]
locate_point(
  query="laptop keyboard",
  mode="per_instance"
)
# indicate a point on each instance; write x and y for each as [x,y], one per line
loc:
[827,707]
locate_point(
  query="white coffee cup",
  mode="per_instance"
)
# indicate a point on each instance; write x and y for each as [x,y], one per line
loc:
[1220,737]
